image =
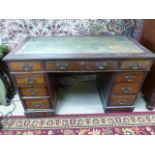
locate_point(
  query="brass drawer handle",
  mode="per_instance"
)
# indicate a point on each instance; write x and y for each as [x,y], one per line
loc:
[122,102]
[27,67]
[126,89]
[101,65]
[129,77]
[30,80]
[62,65]
[32,91]
[135,66]
[37,104]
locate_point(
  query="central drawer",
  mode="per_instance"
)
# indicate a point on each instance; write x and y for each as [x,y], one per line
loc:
[125,88]
[33,91]
[81,65]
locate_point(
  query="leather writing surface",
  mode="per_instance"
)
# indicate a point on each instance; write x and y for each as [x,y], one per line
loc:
[64,45]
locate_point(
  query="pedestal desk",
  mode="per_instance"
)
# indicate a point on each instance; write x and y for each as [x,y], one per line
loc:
[121,65]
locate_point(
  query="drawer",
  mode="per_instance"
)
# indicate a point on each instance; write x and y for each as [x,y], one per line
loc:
[126,88]
[33,91]
[81,65]
[127,100]
[136,65]
[26,66]
[129,77]
[37,103]
[30,79]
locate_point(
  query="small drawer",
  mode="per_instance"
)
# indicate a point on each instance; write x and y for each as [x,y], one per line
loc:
[125,88]
[33,91]
[37,103]
[136,65]
[26,66]
[30,79]
[121,100]
[129,77]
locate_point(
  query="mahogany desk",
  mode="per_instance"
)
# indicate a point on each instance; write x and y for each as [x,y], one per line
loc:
[121,65]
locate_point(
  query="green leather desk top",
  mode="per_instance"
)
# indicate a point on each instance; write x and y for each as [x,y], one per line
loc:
[66,45]
[77,47]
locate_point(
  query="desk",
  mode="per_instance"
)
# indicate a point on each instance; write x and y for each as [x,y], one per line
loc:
[121,65]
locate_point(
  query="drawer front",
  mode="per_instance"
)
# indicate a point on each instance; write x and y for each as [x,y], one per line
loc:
[122,100]
[125,88]
[129,77]
[37,103]
[81,65]
[26,66]
[30,79]
[136,65]
[33,91]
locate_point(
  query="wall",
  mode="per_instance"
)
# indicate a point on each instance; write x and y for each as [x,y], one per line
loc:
[12,32]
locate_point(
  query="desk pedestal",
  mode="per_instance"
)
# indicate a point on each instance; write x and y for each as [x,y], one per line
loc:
[118,91]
